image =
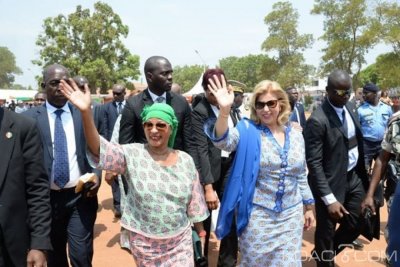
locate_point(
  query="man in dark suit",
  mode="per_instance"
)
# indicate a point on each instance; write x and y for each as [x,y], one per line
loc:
[111,111]
[158,71]
[337,175]
[297,114]
[62,136]
[214,165]
[25,215]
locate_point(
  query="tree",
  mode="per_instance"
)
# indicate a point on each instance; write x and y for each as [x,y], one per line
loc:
[388,70]
[249,69]
[8,68]
[389,22]
[349,33]
[285,40]
[89,45]
[369,74]
[187,76]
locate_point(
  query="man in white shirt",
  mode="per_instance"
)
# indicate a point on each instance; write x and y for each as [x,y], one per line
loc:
[64,148]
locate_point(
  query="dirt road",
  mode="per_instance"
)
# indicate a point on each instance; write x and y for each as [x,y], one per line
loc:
[107,252]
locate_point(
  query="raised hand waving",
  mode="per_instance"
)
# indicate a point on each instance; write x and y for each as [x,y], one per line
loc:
[222,92]
[81,100]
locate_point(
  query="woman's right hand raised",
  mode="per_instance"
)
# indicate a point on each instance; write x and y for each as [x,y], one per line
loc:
[222,92]
[81,100]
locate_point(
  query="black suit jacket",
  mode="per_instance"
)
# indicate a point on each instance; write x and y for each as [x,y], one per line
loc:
[42,119]
[110,115]
[327,152]
[25,213]
[131,129]
[209,156]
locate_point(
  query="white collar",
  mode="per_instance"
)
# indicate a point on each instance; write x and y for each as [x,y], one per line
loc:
[154,96]
[51,109]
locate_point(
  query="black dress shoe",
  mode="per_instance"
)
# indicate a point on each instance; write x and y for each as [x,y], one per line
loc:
[357,245]
[117,214]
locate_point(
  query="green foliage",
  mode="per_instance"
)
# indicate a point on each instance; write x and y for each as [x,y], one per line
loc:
[388,70]
[249,69]
[308,100]
[349,33]
[389,22]
[285,40]
[187,76]
[385,72]
[369,74]
[89,45]
[8,68]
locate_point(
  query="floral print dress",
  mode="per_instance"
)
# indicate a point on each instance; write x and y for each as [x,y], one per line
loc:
[161,203]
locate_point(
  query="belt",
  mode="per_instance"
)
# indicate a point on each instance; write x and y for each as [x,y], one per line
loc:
[353,142]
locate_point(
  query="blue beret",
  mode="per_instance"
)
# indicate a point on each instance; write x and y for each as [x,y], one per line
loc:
[371,87]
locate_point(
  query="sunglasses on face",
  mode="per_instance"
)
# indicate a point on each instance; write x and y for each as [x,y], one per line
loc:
[118,94]
[269,104]
[160,126]
[341,92]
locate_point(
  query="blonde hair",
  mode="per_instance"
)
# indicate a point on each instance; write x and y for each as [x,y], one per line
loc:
[274,88]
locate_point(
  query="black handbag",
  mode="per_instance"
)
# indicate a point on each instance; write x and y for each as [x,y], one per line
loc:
[370,224]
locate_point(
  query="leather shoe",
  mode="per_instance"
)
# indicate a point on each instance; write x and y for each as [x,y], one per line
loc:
[117,214]
[357,245]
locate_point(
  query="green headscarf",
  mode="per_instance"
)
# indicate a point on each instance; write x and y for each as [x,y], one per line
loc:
[163,112]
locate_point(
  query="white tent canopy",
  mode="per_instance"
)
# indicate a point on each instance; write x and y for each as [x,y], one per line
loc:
[197,88]
[8,94]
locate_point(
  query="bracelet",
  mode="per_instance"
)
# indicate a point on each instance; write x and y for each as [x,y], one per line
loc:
[202,233]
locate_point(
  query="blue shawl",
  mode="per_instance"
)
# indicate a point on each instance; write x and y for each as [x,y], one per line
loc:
[242,179]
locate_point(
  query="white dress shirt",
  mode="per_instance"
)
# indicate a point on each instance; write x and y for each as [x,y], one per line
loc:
[68,125]
[353,153]
[154,96]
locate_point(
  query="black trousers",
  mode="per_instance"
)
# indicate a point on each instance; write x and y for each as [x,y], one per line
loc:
[5,260]
[330,241]
[228,249]
[71,225]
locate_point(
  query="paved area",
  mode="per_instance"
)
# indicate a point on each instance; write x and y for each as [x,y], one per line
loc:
[107,252]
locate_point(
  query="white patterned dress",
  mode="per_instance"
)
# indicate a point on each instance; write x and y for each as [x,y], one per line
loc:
[273,236]
[160,206]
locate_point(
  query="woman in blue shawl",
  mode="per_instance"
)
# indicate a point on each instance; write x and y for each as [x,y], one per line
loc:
[267,187]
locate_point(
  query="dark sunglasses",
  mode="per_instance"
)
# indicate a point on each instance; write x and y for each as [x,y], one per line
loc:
[269,104]
[159,126]
[115,93]
[341,92]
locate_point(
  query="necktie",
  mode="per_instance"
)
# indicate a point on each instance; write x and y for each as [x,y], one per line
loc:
[61,164]
[119,107]
[160,99]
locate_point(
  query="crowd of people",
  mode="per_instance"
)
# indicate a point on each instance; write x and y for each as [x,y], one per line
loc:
[171,163]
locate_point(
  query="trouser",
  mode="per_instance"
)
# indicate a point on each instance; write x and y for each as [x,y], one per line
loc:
[5,260]
[228,249]
[330,241]
[116,193]
[371,152]
[72,225]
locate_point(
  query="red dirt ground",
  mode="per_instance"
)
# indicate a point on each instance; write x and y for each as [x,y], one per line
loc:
[107,251]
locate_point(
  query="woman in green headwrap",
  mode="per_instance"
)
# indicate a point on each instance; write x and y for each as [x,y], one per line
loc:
[165,195]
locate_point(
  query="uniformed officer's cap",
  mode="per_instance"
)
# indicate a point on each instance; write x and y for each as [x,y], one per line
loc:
[370,87]
[238,87]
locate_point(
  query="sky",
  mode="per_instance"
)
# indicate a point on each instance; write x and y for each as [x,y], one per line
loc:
[175,29]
